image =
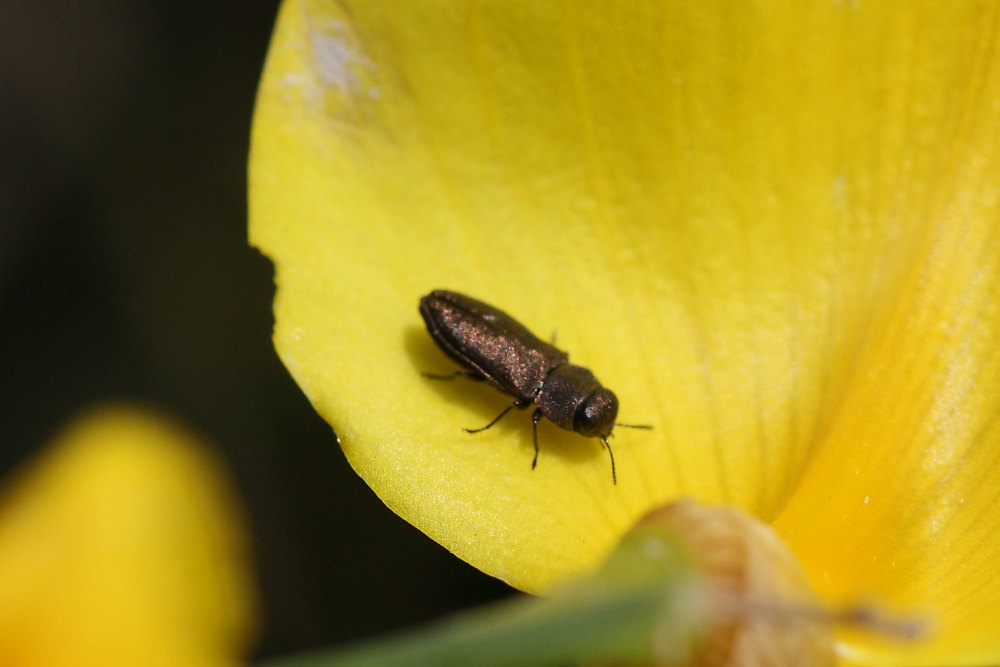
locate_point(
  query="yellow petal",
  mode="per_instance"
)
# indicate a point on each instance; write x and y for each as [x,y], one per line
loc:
[770,228]
[903,478]
[122,546]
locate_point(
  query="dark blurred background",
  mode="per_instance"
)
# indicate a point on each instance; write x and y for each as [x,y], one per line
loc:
[125,273]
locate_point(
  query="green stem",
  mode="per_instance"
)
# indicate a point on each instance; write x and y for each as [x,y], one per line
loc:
[592,622]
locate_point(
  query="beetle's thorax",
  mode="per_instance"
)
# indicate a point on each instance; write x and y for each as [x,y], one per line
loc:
[573,399]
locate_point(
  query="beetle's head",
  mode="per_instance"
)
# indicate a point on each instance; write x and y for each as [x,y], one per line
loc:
[595,417]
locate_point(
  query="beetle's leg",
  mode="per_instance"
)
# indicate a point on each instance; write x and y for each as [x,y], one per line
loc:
[516,404]
[535,418]
[452,376]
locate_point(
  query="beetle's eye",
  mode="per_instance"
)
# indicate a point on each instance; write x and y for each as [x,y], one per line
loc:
[595,417]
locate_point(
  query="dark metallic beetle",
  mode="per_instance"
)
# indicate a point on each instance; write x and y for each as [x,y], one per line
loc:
[494,347]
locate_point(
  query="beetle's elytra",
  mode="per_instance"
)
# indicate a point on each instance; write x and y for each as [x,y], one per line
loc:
[492,346]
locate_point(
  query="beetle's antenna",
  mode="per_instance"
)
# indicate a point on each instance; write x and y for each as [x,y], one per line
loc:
[607,445]
[648,427]
[495,419]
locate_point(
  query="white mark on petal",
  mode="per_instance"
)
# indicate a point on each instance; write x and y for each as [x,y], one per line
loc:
[838,192]
[338,60]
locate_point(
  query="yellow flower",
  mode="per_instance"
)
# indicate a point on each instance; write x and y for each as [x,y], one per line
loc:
[771,228]
[121,546]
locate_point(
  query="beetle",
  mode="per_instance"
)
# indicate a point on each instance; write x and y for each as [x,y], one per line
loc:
[493,347]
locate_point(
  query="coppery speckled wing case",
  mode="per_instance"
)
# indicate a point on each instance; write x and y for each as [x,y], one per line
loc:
[490,343]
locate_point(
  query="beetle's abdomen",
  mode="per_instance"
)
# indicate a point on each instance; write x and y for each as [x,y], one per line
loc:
[489,342]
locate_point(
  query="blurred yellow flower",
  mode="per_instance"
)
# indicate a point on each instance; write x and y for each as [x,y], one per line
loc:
[771,228]
[121,546]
